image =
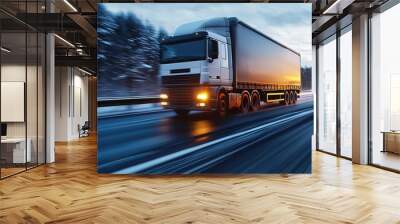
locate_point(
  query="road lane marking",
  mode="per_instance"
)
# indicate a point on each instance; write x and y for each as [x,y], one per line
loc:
[143,166]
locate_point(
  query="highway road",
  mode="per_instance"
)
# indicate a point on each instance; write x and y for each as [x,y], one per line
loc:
[147,139]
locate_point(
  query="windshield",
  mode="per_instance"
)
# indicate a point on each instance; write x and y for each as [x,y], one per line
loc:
[183,51]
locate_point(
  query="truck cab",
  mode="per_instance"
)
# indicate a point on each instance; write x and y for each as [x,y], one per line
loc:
[192,68]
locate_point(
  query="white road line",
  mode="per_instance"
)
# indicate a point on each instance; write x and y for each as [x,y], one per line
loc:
[166,158]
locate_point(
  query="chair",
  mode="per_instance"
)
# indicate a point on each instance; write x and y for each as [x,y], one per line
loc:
[84,130]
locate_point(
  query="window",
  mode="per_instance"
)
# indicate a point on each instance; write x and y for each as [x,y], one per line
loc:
[385,89]
[183,51]
[223,51]
[346,93]
[334,106]
[327,96]
[22,65]
[213,48]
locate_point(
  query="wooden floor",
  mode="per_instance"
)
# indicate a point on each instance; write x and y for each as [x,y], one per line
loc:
[5,172]
[70,191]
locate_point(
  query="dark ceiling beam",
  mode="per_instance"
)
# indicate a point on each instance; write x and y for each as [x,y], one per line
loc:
[83,23]
[320,22]
[325,26]
[337,7]
[15,18]
[45,22]
[383,5]
[87,51]
[332,29]
[53,22]
[80,61]
[76,16]
[91,5]
[11,25]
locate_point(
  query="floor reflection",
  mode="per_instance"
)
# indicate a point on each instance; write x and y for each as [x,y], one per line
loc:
[196,125]
[386,159]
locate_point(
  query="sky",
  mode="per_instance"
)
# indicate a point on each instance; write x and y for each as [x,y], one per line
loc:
[288,23]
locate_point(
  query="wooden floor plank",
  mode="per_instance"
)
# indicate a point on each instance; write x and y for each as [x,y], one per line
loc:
[70,191]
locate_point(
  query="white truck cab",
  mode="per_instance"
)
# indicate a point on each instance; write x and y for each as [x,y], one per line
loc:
[192,68]
[211,51]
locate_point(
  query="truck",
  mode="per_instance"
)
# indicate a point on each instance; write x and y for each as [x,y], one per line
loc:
[222,64]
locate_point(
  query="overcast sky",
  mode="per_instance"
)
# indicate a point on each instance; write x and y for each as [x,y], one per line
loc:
[288,23]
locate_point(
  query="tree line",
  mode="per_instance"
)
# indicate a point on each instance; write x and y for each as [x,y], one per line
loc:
[128,55]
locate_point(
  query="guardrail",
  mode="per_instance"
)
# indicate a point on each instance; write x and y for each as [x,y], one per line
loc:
[117,101]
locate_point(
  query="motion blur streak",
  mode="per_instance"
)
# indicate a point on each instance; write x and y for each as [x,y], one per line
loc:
[272,140]
[158,161]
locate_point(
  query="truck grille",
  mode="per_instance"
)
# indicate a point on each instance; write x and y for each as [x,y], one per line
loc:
[182,70]
[192,79]
[181,96]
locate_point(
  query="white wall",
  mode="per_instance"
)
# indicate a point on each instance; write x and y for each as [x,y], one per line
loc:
[80,110]
[16,73]
[13,72]
[71,102]
[62,82]
[9,73]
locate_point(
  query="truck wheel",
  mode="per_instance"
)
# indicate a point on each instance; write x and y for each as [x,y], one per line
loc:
[245,104]
[295,97]
[222,109]
[292,99]
[287,98]
[182,113]
[255,100]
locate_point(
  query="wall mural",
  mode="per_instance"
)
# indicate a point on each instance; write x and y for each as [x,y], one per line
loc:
[189,88]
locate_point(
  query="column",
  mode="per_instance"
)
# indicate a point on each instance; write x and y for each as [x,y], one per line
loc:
[50,92]
[360,90]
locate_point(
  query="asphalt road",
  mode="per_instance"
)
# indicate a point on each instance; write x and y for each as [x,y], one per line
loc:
[149,139]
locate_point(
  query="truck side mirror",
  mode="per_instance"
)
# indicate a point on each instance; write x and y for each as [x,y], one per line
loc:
[212,49]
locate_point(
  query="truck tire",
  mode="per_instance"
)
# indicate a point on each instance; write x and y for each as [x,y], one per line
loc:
[287,98]
[255,100]
[222,105]
[182,113]
[292,99]
[245,104]
[295,97]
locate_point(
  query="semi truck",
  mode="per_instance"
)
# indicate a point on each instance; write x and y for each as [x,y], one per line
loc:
[223,64]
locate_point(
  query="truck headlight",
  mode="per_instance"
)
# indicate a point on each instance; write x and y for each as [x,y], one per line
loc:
[202,96]
[163,96]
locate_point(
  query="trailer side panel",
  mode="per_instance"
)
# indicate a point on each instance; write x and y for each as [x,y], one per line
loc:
[263,62]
